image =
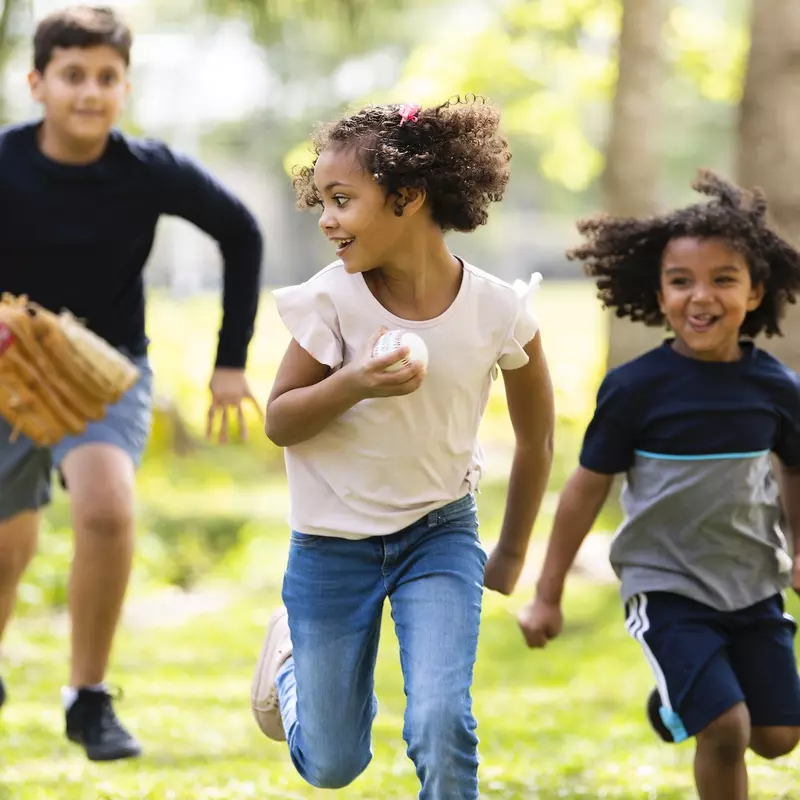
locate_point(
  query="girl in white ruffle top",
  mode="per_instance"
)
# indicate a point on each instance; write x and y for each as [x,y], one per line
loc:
[383,464]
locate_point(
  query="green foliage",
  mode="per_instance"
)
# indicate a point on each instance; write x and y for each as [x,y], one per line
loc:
[709,52]
[547,65]
[340,20]
[551,65]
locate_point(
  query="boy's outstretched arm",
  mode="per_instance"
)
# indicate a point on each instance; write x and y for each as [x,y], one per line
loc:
[187,190]
[529,395]
[581,500]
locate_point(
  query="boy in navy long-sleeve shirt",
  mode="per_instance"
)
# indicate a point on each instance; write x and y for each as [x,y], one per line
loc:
[79,204]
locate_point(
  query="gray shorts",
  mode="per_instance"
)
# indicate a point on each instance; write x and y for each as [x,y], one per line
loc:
[26,469]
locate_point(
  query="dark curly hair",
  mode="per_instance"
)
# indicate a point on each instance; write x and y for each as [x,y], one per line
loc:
[624,254]
[453,152]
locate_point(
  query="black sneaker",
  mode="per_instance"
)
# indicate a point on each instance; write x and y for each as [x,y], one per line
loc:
[2,693]
[92,723]
[654,715]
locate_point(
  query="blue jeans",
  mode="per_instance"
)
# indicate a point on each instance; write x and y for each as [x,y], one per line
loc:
[334,591]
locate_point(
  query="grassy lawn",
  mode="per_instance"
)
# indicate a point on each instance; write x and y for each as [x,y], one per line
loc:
[562,723]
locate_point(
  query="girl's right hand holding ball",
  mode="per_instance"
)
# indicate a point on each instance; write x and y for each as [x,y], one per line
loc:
[372,379]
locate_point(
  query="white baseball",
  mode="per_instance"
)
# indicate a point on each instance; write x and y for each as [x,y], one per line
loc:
[390,341]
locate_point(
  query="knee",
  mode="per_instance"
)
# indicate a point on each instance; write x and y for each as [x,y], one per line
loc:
[774,742]
[108,516]
[17,546]
[337,772]
[729,734]
[440,730]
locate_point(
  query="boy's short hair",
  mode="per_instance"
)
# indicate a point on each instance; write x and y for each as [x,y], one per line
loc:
[80,26]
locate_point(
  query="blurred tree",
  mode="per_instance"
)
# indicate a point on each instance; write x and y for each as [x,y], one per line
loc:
[322,57]
[548,66]
[633,151]
[10,16]
[351,19]
[769,121]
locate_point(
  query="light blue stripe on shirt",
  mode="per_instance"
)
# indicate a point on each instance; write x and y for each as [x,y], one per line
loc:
[703,457]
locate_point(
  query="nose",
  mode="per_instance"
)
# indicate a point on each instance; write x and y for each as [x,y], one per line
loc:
[91,90]
[703,293]
[326,220]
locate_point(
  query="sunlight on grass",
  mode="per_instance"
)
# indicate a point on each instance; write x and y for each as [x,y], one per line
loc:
[566,722]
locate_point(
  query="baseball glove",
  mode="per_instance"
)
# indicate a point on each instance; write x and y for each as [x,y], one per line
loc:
[55,374]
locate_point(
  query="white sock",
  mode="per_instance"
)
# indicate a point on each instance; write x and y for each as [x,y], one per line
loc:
[69,694]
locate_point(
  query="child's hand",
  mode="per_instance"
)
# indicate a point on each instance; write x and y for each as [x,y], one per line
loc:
[540,622]
[372,378]
[502,571]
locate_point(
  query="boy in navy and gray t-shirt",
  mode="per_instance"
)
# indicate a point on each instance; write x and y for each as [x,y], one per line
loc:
[702,554]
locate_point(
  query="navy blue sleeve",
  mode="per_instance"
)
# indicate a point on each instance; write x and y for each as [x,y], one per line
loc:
[787,446]
[188,191]
[608,444]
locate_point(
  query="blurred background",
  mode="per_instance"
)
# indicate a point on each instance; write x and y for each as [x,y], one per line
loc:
[608,105]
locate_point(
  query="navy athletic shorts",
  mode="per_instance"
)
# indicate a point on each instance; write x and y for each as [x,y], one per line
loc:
[706,661]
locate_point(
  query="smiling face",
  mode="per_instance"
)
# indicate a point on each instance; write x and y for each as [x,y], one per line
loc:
[705,294]
[83,91]
[358,217]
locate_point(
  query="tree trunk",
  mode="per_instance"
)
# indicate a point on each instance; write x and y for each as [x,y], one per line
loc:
[631,176]
[8,41]
[769,134]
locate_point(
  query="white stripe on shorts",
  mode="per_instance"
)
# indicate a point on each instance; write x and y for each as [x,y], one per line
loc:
[637,624]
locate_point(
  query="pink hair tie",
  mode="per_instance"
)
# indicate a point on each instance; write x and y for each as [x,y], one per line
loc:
[408,113]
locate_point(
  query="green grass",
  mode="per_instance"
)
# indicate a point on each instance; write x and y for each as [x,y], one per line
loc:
[565,722]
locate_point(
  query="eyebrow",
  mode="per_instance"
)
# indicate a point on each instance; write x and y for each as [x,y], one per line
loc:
[332,184]
[723,268]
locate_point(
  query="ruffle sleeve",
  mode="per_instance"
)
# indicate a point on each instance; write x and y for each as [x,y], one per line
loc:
[310,316]
[525,325]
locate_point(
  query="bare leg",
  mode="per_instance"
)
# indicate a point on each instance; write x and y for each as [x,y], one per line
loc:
[719,766]
[100,480]
[773,742]
[18,537]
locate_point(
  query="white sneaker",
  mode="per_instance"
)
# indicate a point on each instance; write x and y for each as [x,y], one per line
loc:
[276,649]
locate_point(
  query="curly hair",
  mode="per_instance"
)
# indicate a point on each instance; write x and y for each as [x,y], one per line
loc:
[624,254]
[454,152]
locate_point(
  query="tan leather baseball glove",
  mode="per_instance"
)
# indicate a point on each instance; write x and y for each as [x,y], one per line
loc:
[55,374]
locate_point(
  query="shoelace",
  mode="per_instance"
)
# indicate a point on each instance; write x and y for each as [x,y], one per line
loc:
[100,702]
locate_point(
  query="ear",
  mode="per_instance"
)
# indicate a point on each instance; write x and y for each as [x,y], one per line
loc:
[126,92]
[409,201]
[755,297]
[661,307]
[36,83]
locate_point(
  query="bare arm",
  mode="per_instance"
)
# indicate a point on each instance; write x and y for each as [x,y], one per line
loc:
[529,395]
[584,494]
[306,397]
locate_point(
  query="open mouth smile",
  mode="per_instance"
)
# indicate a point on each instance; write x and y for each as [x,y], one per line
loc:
[700,323]
[342,244]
